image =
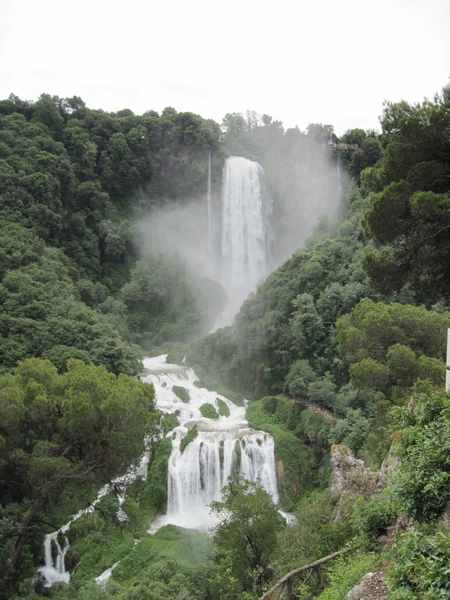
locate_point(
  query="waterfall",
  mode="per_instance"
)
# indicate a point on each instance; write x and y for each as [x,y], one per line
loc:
[55,549]
[196,475]
[56,544]
[338,171]
[246,213]
[208,201]
[223,446]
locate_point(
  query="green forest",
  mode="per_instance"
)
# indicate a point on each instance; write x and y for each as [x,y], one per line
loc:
[340,353]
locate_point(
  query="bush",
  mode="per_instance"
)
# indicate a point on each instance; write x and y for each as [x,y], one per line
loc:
[154,495]
[188,438]
[423,568]
[346,573]
[182,393]
[224,411]
[208,411]
[371,518]
[170,421]
[315,533]
[424,449]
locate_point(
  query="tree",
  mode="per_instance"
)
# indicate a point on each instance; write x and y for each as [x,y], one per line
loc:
[392,345]
[410,207]
[47,111]
[298,379]
[247,533]
[321,133]
[423,445]
[234,124]
[86,425]
[306,326]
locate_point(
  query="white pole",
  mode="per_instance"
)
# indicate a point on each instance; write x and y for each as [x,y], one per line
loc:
[447,370]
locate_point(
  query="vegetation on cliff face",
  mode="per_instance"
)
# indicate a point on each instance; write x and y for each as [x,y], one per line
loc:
[73,183]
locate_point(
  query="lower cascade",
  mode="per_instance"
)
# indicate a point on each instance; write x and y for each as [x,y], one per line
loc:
[197,471]
[223,446]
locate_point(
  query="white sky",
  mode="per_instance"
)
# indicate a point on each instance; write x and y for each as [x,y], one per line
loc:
[323,61]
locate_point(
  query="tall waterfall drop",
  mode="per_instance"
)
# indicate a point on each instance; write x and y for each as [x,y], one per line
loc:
[246,226]
[223,446]
[209,204]
[338,173]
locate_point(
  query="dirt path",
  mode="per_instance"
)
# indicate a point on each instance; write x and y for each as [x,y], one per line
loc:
[315,408]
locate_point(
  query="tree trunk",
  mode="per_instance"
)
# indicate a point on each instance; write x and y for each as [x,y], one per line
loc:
[20,529]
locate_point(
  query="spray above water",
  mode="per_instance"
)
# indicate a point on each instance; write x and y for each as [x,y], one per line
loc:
[241,229]
[224,236]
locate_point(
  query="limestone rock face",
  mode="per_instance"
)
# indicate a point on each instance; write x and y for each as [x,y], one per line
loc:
[391,464]
[349,475]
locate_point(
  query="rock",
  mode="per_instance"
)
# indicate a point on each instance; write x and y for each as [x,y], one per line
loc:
[389,467]
[372,587]
[349,475]
[402,523]
[350,479]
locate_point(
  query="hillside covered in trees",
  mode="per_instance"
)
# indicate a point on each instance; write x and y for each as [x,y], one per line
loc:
[353,325]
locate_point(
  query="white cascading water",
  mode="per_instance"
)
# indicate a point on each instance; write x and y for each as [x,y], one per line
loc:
[223,446]
[246,230]
[196,476]
[56,544]
[209,205]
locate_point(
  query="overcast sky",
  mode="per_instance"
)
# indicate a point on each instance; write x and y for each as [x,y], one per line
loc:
[324,61]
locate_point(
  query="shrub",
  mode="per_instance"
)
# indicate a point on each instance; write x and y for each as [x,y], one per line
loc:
[224,411]
[208,411]
[346,573]
[182,393]
[188,438]
[424,449]
[423,568]
[170,421]
[371,518]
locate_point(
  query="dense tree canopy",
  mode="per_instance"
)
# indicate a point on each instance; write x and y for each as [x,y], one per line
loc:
[84,425]
[167,301]
[409,212]
[393,345]
[292,314]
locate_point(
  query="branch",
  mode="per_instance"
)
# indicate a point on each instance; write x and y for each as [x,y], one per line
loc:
[52,525]
[5,515]
[426,240]
[301,569]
